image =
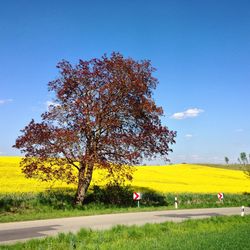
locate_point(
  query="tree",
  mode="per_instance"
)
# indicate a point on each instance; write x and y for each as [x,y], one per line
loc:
[247,167]
[226,159]
[103,116]
[243,157]
[239,160]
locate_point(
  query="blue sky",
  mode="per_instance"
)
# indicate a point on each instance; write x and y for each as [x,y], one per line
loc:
[201,50]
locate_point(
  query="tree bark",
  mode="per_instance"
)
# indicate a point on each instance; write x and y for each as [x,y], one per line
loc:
[84,179]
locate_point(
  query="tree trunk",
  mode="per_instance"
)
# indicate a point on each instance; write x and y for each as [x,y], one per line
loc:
[84,179]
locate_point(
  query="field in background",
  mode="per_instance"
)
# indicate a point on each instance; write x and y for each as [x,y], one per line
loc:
[180,178]
[13,180]
[189,178]
[227,166]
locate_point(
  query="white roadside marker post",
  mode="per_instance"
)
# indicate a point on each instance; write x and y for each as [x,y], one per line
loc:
[175,202]
[242,211]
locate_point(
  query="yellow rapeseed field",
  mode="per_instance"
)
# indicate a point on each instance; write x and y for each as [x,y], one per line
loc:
[188,178]
[12,180]
[179,178]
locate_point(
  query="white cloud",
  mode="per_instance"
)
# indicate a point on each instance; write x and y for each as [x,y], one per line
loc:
[4,101]
[215,158]
[188,136]
[189,113]
[239,130]
[51,103]
[181,156]
[195,157]
[178,116]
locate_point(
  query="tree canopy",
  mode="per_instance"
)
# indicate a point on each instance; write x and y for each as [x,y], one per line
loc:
[103,116]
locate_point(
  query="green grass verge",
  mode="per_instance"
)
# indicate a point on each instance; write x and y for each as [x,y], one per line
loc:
[213,233]
[58,203]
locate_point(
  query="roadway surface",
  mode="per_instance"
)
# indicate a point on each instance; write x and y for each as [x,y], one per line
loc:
[21,231]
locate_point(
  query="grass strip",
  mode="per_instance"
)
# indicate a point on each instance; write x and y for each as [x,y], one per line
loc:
[20,207]
[213,233]
[56,204]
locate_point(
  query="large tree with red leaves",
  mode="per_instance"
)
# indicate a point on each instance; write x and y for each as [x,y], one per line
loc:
[103,116]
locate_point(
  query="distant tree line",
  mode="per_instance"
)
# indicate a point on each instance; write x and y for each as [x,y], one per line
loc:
[243,160]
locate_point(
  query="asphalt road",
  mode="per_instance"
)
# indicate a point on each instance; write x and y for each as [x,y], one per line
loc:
[22,231]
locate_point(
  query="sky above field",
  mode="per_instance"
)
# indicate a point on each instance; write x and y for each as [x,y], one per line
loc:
[201,51]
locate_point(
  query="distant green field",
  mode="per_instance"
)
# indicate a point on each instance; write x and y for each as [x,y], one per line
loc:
[225,166]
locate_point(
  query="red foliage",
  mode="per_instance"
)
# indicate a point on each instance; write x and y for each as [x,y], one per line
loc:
[104,116]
